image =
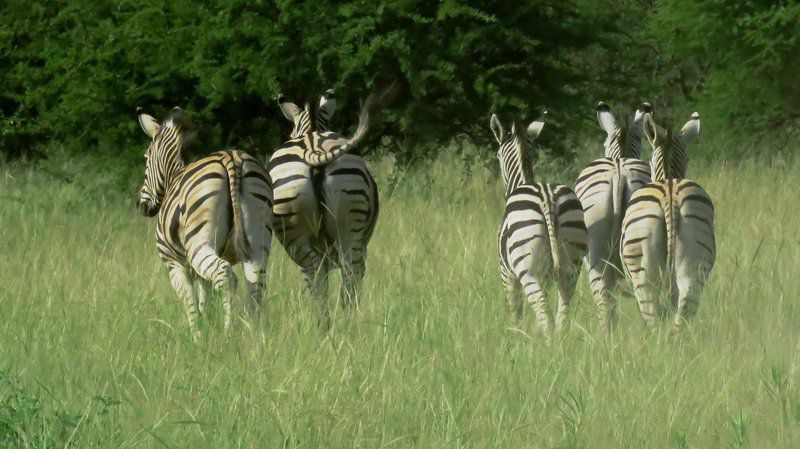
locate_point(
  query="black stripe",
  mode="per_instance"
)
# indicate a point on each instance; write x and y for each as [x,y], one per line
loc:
[519,243]
[644,198]
[573,224]
[522,224]
[283,159]
[523,205]
[255,174]
[700,199]
[261,197]
[569,205]
[642,217]
[203,166]
[199,202]
[195,230]
[202,179]
[634,241]
[287,180]
[699,218]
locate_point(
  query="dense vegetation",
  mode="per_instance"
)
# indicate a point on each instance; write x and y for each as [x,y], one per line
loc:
[73,72]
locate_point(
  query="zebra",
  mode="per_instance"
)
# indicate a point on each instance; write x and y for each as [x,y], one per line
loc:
[604,188]
[668,242]
[347,198]
[542,237]
[315,198]
[212,214]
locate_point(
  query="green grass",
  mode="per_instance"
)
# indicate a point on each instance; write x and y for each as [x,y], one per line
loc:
[95,350]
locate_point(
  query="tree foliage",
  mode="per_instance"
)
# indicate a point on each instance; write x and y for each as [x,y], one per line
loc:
[74,71]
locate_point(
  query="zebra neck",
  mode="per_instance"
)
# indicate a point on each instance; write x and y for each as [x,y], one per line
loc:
[658,164]
[614,146]
[322,123]
[633,143]
[173,170]
[516,178]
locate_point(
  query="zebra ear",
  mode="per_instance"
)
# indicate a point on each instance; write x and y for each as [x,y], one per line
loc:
[691,129]
[535,128]
[149,125]
[644,108]
[497,128]
[606,119]
[650,130]
[327,103]
[289,109]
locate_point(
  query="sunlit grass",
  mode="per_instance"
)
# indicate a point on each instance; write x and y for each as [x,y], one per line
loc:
[96,350]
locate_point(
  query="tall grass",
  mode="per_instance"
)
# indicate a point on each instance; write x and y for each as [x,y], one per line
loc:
[96,350]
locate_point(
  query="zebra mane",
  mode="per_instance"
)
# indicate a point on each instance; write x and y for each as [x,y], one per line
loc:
[623,141]
[178,120]
[669,159]
[523,146]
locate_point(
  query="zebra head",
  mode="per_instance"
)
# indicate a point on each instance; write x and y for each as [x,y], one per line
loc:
[327,106]
[669,158]
[164,159]
[515,150]
[301,118]
[621,143]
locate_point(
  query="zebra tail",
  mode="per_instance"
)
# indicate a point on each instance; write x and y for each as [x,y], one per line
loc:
[671,223]
[618,202]
[374,102]
[550,222]
[238,233]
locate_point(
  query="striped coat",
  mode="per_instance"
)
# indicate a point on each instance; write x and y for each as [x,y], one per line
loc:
[668,242]
[542,236]
[211,214]
[604,188]
[350,205]
[311,209]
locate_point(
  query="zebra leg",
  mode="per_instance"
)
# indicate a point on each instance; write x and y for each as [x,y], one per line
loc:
[689,288]
[602,281]
[353,269]
[219,273]
[202,289]
[515,303]
[317,281]
[537,298]
[566,290]
[255,273]
[181,280]
[259,236]
[649,304]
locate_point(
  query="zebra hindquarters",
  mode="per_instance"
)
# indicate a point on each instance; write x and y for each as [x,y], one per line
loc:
[350,211]
[256,201]
[207,224]
[597,186]
[644,250]
[571,244]
[604,188]
[525,255]
[296,219]
[695,247]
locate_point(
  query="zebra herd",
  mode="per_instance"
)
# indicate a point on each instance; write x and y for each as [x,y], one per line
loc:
[659,230]
[320,201]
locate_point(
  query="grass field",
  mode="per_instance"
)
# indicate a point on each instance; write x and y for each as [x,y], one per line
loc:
[95,350]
